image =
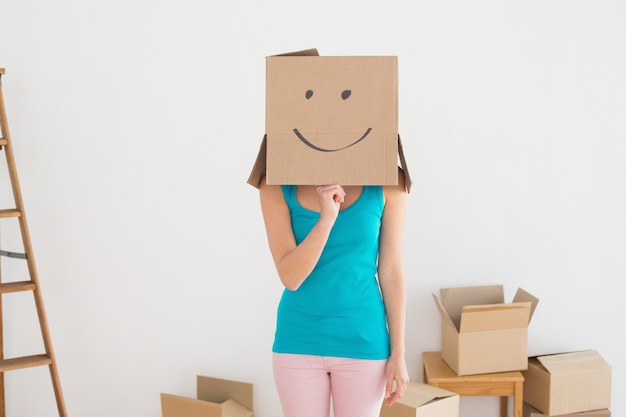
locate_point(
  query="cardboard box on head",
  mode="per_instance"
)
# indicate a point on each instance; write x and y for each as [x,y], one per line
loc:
[330,120]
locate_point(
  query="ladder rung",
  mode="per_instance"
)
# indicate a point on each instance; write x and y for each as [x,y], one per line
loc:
[9,254]
[4,141]
[24,362]
[9,287]
[10,213]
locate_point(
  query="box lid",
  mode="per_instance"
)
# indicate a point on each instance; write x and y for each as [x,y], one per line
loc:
[573,362]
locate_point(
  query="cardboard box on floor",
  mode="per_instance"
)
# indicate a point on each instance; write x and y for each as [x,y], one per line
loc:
[422,400]
[330,120]
[530,411]
[480,333]
[215,398]
[568,382]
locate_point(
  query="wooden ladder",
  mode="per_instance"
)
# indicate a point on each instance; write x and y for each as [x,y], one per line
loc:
[17,212]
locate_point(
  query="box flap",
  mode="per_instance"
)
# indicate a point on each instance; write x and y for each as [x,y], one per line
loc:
[418,394]
[454,299]
[444,315]
[220,390]
[573,362]
[258,170]
[231,408]
[495,317]
[408,182]
[177,406]
[304,52]
[522,295]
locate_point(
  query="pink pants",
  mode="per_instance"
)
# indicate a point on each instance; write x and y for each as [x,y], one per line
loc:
[306,384]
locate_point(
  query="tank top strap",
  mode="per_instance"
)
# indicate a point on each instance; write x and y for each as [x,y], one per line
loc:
[289,194]
[373,193]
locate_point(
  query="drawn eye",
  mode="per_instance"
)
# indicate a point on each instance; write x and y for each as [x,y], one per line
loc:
[308,94]
[345,94]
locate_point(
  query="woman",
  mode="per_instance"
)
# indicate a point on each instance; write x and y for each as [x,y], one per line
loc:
[337,250]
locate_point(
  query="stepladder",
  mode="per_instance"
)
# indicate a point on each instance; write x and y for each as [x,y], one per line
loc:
[29,283]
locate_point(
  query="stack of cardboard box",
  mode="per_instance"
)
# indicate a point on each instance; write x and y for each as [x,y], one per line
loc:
[215,398]
[482,334]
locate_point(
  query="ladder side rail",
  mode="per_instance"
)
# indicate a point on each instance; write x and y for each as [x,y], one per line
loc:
[3,142]
[2,390]
[30,259]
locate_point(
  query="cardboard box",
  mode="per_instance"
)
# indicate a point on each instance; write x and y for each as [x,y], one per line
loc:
[330,120]
[568,383]
[530,411]
[177,406]
[423,400]
[215,398]
[480,333]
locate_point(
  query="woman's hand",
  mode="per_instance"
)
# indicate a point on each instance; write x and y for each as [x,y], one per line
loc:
[330,199]
[294,262]
[397,379]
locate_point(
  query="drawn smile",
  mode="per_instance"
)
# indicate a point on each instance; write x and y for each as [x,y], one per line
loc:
[317,148]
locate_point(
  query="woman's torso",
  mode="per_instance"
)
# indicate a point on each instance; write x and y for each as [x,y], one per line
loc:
[338,309]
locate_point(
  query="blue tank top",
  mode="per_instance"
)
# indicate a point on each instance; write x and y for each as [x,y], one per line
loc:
[338,310]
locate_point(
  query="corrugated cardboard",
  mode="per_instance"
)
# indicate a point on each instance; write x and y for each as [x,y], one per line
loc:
[219,390]
[330,120]
[215,398]
[480,333]
[177,406]
[530,411]
[422,400]
[568,382]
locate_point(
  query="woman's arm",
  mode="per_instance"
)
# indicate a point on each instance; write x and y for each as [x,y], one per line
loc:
[294,262]
[391,278]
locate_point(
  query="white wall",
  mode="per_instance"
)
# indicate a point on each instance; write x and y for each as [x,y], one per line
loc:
[135,124]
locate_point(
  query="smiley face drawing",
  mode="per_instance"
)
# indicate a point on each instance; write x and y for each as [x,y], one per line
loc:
[345,95]
[331,119]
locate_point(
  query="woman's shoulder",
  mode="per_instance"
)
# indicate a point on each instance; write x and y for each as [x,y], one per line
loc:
[270,191]
[398,189]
